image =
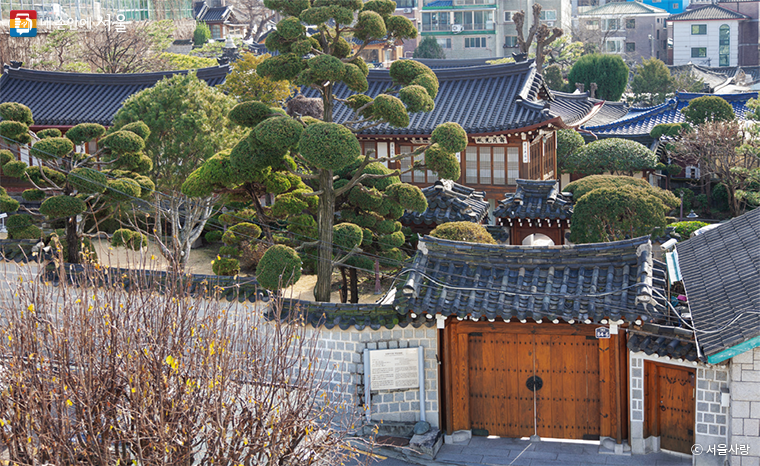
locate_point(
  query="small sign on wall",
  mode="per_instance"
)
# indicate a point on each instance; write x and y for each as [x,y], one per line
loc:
[394,369]
[526,152]
[602,333]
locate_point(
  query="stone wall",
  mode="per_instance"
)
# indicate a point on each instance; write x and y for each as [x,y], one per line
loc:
[344,349]
[745,407]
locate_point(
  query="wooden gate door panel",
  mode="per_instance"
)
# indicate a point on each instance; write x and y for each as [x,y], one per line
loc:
[672,405]
[568,402]
[497,365]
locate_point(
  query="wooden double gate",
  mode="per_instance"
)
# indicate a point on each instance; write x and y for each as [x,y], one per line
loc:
[517,380]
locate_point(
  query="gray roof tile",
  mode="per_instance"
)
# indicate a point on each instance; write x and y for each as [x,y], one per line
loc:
[590,281]
[62,99]
[707,12]
[720,270]
[535,200]
[449,202]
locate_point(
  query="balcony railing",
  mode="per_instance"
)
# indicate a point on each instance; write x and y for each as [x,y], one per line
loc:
[436,27]
[489,26]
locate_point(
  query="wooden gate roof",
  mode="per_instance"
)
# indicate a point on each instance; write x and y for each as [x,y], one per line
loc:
[449,202]
[535,199]
[584,283]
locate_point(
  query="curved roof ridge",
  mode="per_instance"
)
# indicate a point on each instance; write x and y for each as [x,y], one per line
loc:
[649,112]
[63,77]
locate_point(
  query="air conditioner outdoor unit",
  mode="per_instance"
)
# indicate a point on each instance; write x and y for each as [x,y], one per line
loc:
[407,10]
[457,28]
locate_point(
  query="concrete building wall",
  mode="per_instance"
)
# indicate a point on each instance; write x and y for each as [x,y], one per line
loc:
[745,408]
[684,41]
[344,349]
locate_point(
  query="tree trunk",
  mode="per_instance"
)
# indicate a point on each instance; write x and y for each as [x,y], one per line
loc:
[354,280]
[72,240]
[325,220]
[343,286]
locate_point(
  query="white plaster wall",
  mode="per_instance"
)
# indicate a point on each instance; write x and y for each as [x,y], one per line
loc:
[745,407]
[684,41]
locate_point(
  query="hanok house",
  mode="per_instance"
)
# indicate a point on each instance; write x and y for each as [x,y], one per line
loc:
[221,19]
[536,214]
[531,339]
[508,113]
[447,202]
[63,100]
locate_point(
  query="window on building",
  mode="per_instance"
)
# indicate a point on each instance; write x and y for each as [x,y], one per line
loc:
[612,24]
[510,41]
[724,45]
[692,171]
[513,165]
[474,20]
[471,165]
[658,34]
[474,42]
[698,52]
[406,4]
[614,46]
[508,16]
[592,24]
[676,6]
[438,21]
[630,23]
[698,29]
[630,47]
[548,15]
[216,31]
[444,43]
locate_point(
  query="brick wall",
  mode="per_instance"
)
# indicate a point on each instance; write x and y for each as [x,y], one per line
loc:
[745,407]
[344,349]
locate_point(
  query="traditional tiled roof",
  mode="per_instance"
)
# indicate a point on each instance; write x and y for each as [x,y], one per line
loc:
[358,316]
[623,8]
[62,99]
[610,111]
[713,77]
[706,13]
[638,122]
[720,270]
[202,12]
[585,283]
[573,108]
[535,200]
[482,99]
[677,343]
[449,202]
[437,64]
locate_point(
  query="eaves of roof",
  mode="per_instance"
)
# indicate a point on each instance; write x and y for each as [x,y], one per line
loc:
[706,13]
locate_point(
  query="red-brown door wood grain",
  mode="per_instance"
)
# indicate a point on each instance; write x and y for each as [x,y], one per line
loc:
[500,402]
[669,401]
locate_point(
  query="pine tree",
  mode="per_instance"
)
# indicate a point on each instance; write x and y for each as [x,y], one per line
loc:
[322,147]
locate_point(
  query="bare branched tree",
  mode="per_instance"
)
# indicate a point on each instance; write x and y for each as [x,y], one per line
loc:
[101,373]
[134,50]
[257,16]
[542,34]
[723,149]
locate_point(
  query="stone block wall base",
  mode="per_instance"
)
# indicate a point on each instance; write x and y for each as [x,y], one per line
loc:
[427,445]
[460,436]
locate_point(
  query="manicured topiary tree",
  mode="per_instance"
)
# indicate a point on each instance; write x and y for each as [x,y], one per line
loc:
[322,62]
[708,108]
[609,72]
[202,34]
[463,231]
[685,229]
[187,124]
[614,155]
[568,141]
[611,208]
[651,83]
[67,183]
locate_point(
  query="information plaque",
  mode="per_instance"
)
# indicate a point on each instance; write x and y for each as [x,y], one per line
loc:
[394,369]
